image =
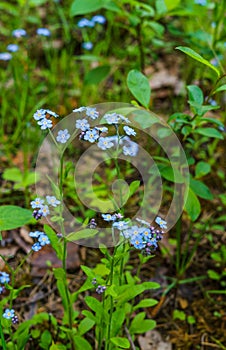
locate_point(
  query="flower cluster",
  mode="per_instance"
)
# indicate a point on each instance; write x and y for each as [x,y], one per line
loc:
[43,32]
[100,289]
[6,56]
[84,22]
[87,45]
[201,2]
[9,314]
[90,23]
[93,135]
[91,112]
[20,33]
[92,224]
[42,240]
[41,207]
[42,117]
[142,236]
[4,278]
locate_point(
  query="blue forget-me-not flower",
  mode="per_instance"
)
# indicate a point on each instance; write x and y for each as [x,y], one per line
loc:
[63,136]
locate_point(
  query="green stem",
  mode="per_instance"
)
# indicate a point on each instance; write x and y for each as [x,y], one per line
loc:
[2,338]
[107,344]
[178,248]
[64,260]
[140,45]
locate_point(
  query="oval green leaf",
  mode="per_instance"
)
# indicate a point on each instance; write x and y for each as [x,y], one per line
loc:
[192,205]
[12,216]
[79,7]
[201,169]
[139,86]
[121,342]
[209,132]
[96,75]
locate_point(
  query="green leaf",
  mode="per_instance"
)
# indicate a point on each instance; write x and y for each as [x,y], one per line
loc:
[160,7]
[158,28]
[94,304]
[220,88]
[171,174]
[140,325]
[179,314]
[60,276]
[192,205]
[209,132]
[12,217]
[89,315]
[172,4]
[197,57]
[191,319]
[85,325]
[89,272]
[128,292]
[101,270]
[121,342]
[139,86]
[200,189]
[118,318]
[55,242]
[12,174]
[22,334]
[195,94]
[133,187]
[213,275]
[214,121]
[81,343]
[145,303]
[86,233]
[46,340]
[201,169]
[79,7]
[145,118]
[96,75]
[57,347]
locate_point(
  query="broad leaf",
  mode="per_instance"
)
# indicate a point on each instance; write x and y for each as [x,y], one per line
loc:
[200,189]
[201,169]
[12,217]
[133,187]
[81,343]
[209,132]
[79,7]
[192,205]
[145,303]
[121,342]
[96,75]
[195,94]
[139,86]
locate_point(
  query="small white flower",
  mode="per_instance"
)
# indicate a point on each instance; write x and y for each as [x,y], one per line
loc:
[51,200]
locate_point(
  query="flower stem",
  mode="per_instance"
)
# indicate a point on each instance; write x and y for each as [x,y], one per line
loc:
[69,307]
